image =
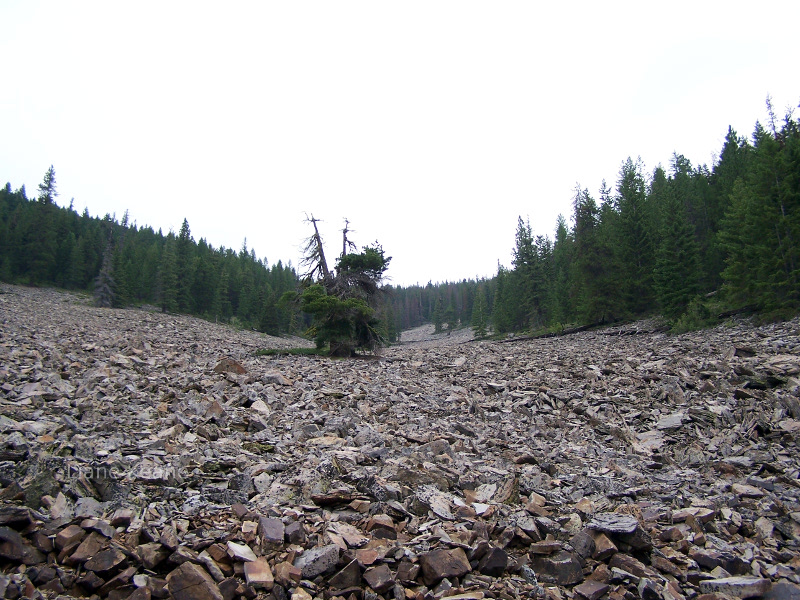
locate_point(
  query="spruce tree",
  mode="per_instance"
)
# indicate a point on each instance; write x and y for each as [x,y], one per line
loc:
[104,282]
[438,315]
[479,313]
[677,268]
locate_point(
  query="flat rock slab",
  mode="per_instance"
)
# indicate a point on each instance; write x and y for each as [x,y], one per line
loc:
[241,552]
[783,590]
[738,587]
[105,560]
[591,589]
[614,523]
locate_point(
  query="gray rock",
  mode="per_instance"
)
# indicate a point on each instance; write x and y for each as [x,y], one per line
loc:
[317,560]
[738,587]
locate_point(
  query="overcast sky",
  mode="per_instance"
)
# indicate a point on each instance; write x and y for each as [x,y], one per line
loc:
[429,125]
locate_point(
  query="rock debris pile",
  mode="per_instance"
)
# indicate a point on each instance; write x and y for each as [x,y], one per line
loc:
[147,456]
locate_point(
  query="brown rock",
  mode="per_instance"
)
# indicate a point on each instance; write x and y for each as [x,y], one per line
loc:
[348,577]
[11,544]
[604,548]
[665,566]
[191,582]
[286,574]
[441,564]
[562,568]
[272,532]
[88,548]
[258,574]
[407,572]
[117,582]
[105,561]
[379,578]
[142,593]
[152,554]
[228,365]
[69,536]
[545,547]
[169,538]
[494,562]
[631,565]
[591,589]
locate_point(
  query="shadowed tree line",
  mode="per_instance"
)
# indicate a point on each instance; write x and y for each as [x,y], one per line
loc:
[122,264]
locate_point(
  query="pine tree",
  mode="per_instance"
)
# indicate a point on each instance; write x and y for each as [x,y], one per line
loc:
[184,268]
[47,189]
[635,238]
[168,277]
[104,282]
[480,313]
[562,257]
[438,316]
[677,268]
[502,313]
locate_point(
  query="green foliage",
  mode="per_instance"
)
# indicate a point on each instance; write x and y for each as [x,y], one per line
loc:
[480,316]
[676,273]
[343,324]
[760,232]
[696,316]
[438,316]
[343,304]
[47,189]
[42,243]
[104,283]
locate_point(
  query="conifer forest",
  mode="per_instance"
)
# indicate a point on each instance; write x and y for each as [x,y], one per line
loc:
[686,242]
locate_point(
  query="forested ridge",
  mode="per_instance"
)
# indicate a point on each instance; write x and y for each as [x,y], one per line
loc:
[684,241]
[42,243]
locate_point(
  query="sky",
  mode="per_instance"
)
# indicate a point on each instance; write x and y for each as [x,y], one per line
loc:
[430,125]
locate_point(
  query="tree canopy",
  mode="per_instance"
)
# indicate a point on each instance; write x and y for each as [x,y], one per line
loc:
[344,302]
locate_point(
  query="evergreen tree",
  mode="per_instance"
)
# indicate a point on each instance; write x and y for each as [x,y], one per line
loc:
[438,316]
[502,310]
[480,314]
[104,283]
[183,265]
[47,189]
[168,278]
[562,257]
[344,302]
[635,238]
[677,268]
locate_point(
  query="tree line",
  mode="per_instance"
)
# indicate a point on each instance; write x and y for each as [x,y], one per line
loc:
[42,243]
[686,241]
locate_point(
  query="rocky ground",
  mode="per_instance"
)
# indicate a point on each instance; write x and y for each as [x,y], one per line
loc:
[145,456]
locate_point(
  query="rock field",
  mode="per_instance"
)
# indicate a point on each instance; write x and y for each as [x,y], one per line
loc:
[145,455]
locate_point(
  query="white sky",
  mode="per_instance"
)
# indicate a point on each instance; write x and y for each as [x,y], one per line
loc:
[431,125]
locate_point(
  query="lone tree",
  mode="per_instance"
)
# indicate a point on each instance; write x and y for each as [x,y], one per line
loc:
[343,302]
